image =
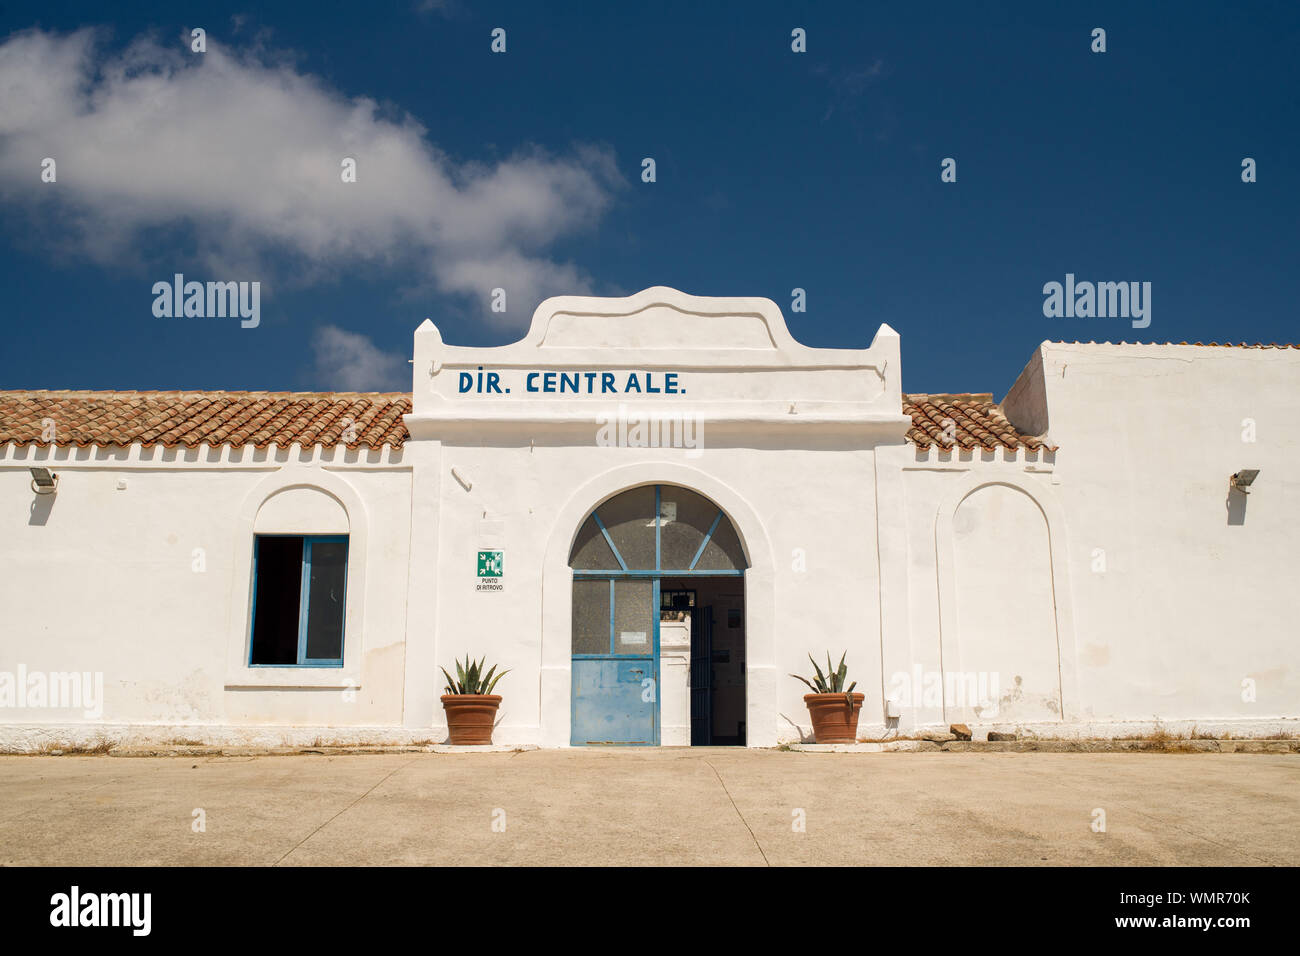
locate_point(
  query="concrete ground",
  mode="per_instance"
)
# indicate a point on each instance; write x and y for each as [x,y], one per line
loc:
[667,806]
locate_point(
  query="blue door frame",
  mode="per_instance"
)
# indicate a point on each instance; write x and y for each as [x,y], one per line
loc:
[604,709]
[608,701]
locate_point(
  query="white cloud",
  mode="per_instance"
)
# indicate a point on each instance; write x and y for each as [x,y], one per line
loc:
[444,7]
[242,151]
[348,362]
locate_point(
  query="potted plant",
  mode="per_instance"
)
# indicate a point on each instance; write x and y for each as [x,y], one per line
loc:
[833,708]
[469,703]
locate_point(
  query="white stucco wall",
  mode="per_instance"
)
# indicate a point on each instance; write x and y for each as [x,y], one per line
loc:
[139,568]
[1107,587]
[787,453]
[1005,611]
[979,599]
[1183,591]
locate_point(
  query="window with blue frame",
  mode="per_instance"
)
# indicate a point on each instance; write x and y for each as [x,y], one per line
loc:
[657,530]
[299,586]
[626,546]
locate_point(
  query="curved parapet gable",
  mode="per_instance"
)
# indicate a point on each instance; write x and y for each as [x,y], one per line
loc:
[658,347]
[660,318]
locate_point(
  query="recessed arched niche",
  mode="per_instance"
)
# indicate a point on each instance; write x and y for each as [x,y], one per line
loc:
[301,510]
[1005,610]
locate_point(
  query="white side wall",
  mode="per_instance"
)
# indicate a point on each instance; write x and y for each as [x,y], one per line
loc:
[143,583]
[1184,592]
[807,520]
[982,623]
[1172,598]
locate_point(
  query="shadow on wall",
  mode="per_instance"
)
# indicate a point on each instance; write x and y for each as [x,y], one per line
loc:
[1236,505]
[42,505]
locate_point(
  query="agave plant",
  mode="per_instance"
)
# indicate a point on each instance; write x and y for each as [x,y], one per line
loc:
[832,682]
[470,678]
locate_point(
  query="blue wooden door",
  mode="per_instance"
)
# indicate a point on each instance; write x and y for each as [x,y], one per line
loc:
[613,701]
[615,661]
[702,677]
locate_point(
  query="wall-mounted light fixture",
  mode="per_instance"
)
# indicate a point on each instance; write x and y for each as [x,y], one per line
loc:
[44,481]
[1243,479]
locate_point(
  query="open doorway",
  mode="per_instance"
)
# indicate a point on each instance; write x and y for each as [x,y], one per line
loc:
[633,648]
[713,612]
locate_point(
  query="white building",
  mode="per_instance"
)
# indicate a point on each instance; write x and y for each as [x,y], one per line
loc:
[646,488]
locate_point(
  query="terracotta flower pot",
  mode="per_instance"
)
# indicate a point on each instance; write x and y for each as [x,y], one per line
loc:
[470,717]
[834,718]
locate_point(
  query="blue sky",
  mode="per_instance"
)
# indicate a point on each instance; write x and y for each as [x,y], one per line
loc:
[522,170]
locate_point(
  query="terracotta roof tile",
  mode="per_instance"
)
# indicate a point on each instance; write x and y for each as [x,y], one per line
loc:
[1204,345]
[191,419]
[976,421]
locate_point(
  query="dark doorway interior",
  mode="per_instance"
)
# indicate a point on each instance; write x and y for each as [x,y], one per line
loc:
[717,612]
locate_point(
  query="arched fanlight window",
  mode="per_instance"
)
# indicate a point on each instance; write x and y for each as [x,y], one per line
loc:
[658,529]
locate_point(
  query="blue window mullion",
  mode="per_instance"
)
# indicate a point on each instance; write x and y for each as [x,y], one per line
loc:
[659,521]
[655,666]
[610,541]
[705,543]
[304,602]
[252,613]
[671,573]
[611,615]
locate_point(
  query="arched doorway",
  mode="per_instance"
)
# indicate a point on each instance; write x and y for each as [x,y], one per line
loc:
[658,651]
